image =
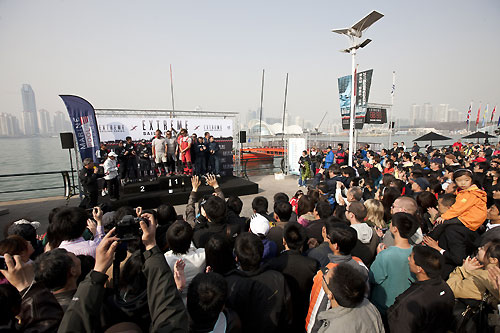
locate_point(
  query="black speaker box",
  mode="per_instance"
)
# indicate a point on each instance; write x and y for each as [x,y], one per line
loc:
[243,136]
[67,141]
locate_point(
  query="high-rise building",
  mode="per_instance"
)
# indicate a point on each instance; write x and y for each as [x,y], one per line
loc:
[30,117]
[9,125]
[45,123]
[415,115]
[442,113]
[426,113]
[58,122]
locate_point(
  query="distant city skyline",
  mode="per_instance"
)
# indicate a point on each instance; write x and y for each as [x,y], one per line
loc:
[443,52]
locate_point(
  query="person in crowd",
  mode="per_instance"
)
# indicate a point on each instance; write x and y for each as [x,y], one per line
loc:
[88,178]
[305,168]
[349,309]
[16,245]
[180,243]
[144,154]
[368,240]
[129,161]
[419,185]
[59,271]
[375,214]
[427,305]
[390,273]
[329,158]
[201,157]
[219,254]
[305,210]
[67,228]
[111,176]
[405,205]
[493,216]
[471,281]
[184,143]
[207,295]
[234,207]
[158,146]
[260,206]
[170,151]
[340,155]
[27,230]
[322,211]
[261,297]
[102,153]
[259,226]
[298,271]
[282,214]
[341,239]
[214,159]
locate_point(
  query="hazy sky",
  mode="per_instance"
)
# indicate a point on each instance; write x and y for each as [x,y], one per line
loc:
[116,54]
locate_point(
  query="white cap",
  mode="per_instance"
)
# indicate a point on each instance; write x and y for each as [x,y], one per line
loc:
[112,154]
[259,224]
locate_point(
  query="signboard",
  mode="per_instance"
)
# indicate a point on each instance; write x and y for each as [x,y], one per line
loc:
[363,83]
[82,117]
[376,116]
[295,148]
[112,128]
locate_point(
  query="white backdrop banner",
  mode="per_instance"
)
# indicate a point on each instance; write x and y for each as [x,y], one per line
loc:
[295,148]
[118,128]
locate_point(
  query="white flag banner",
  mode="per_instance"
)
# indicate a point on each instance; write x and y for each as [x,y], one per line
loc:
[112,128]
[295,148]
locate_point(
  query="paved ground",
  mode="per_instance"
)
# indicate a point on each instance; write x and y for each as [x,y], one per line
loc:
[38,209]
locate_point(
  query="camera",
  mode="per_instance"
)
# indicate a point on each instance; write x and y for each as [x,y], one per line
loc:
[3,265]
[129,228]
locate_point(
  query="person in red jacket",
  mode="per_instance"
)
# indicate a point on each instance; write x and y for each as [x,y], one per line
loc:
[184,143]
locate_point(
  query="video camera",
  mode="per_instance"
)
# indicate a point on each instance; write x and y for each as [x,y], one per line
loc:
[129,228]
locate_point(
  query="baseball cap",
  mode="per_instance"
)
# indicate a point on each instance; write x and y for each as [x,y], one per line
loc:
[422,182]
[259,225]
[112,154]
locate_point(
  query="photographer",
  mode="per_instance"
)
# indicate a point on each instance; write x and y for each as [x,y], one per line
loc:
[88,177]
[168,313]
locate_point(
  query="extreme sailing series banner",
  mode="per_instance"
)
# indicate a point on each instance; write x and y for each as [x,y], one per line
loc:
[113,128]
[363,83]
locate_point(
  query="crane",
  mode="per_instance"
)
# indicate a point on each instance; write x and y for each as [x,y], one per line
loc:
[316,129]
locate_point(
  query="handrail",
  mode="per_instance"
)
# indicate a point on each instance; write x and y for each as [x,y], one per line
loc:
[69,189]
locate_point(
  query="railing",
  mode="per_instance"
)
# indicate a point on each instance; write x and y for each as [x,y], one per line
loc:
[68,182]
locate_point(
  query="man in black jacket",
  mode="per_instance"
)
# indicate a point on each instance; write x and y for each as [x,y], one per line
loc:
[260,297]
[298,270]
[88,178]
[167,311]
[427,306]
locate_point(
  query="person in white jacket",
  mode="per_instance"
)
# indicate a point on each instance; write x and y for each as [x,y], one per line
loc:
[111,176]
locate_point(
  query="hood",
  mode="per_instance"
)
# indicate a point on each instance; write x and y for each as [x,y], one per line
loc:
[475,191]
[364,231]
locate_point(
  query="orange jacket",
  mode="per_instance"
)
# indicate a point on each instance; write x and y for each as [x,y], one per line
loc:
[470,208]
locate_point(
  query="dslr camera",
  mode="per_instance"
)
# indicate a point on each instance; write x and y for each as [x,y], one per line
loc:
[129,228]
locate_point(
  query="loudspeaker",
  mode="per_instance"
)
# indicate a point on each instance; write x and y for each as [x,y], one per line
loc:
[243,136]
[67,140]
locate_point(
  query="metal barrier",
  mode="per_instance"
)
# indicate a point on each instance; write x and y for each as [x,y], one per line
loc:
[260,168]
[69,187]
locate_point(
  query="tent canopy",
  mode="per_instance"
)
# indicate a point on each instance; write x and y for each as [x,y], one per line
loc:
[479,135]
[431,136]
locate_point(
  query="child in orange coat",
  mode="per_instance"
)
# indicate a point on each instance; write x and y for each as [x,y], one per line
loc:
[470,205]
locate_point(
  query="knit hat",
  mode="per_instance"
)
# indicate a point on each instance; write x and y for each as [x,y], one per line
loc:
[259,225]
[422,182]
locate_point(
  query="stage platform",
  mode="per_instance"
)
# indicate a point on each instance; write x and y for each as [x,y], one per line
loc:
[175,191]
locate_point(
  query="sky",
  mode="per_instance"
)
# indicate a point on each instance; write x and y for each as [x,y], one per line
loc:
[116,53]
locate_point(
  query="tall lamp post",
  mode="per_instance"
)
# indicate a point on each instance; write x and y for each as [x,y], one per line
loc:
[354,33]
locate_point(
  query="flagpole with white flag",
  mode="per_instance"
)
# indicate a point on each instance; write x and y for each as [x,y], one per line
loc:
[468,116]
[392,106]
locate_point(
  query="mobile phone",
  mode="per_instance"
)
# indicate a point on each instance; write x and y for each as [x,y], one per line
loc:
[3,265]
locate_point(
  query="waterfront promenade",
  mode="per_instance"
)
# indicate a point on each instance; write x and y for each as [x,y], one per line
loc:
[38,209]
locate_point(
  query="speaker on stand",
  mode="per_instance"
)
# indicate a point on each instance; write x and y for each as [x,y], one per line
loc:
[68,142]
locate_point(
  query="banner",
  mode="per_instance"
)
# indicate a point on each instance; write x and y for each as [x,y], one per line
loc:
[82,117]
[112,128]
[363,83]
[295,148]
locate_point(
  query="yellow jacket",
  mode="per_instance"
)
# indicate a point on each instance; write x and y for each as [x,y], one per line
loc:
[470,208]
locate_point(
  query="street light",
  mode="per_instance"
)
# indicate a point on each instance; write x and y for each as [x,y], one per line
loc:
[354,33]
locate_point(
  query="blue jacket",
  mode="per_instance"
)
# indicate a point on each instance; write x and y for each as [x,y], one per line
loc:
[329,159]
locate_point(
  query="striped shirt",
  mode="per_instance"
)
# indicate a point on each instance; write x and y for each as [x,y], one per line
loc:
[81,246]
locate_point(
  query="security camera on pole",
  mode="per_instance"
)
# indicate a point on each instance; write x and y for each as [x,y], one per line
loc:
[354,33]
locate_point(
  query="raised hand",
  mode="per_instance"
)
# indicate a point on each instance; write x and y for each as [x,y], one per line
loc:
[195,182]
[105,252]
[179,276]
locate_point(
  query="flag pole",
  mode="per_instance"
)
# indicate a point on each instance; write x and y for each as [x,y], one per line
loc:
[172,91]
[392,105]
[261,100]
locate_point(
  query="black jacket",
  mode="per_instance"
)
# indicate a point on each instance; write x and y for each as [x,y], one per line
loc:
[457,240]
[299,272]
[40,311]
[168,313]
[88,179]
[261,298]
[427,306]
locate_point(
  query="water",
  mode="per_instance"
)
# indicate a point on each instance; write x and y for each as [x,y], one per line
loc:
[23,155]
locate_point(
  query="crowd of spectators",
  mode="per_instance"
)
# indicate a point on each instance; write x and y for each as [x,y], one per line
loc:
[402,241]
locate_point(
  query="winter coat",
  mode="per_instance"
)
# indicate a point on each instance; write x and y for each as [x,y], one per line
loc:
[469,207]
